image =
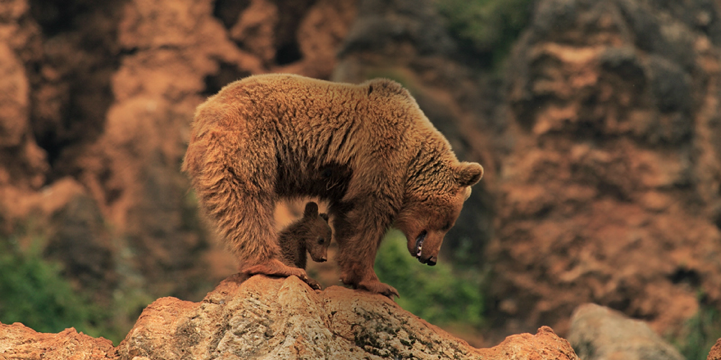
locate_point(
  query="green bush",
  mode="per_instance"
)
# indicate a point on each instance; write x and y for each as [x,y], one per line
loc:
[437,294]
[699,334]
[33,292]
[486,28]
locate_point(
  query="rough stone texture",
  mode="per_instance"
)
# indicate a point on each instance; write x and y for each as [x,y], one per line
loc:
[599,333]
[23,167]
[267,318]
[603,165]
[715,353]
[611,193]
[18,342]
[132,169]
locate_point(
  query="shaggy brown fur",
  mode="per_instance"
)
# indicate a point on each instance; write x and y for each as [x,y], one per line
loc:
[310,233]
[366,149]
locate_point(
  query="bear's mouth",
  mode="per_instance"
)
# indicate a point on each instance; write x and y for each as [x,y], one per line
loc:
[419,244]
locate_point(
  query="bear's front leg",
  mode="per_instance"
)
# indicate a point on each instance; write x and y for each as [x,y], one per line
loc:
[369,282]
[359,234]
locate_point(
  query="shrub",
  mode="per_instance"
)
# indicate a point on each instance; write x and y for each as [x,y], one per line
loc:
[34,293]
[699,333]
[486,29]
[437,294]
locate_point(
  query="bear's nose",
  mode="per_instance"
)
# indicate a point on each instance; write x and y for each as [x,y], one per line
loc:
[432,261]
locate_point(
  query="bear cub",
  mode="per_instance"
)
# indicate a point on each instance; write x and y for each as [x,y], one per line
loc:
[311,234]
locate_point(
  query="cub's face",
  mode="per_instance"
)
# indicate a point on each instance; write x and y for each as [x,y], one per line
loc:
[317,238]
[426,223]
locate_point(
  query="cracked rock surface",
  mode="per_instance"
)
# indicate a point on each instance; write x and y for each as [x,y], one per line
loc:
[270,318]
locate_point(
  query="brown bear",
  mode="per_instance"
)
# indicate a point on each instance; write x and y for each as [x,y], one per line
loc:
[311,234]
[367,149]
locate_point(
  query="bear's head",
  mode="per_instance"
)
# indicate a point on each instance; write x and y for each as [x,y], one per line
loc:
[426,219]
[316,232]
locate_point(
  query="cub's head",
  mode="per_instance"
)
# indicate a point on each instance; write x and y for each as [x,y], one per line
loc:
[316,232]
[426,219]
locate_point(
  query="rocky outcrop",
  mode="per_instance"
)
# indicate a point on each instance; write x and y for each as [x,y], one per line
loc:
[599,333]
[602,163]
[611,191]
[715,353]
[277,319]
[24,164]
[96,103]
[18,342]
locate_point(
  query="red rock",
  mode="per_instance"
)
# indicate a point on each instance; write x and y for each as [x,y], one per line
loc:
[595,200]
[598,332]
[277,319]
[20,342]
[715,353]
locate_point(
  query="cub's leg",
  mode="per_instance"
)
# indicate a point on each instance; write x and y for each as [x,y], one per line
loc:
[359,233]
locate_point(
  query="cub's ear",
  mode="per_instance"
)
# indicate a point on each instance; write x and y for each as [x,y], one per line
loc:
[469,173]
[324,216]
[311,210]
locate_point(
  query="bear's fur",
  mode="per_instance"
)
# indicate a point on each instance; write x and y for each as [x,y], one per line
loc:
[367,149]
[311,234]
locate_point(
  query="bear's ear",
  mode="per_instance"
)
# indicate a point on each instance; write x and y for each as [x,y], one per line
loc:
[324,216]
[469,173]
[385,86]
[311,210]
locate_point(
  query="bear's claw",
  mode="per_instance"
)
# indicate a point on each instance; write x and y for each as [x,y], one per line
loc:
[379,288]
[277,268]
[313,284]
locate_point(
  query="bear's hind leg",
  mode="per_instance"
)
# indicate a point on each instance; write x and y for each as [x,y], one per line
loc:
[261,255]
[238,194]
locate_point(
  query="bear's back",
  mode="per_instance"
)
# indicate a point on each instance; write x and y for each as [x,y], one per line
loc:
[289,88]
[319,117]
[307,128]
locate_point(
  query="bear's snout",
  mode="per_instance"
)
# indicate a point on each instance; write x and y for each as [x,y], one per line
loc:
[431,261]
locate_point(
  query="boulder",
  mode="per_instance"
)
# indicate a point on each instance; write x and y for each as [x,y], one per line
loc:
[599,333]
[277,318]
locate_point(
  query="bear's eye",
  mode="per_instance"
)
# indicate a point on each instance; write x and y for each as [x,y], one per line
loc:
[446,226]
[321,241]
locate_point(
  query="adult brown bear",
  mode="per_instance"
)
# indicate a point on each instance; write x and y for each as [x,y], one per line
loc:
[366,149]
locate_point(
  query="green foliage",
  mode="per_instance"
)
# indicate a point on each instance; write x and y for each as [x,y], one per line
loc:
[486,28]
[33,292]
[699,334]
[436,294]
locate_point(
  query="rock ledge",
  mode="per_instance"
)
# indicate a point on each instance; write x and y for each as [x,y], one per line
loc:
[272,318]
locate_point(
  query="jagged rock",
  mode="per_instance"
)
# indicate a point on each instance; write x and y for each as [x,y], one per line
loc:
[599,333]
[284,318]
[120,130]
[715,353]
[278,319]
[610,192]
[19,342]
